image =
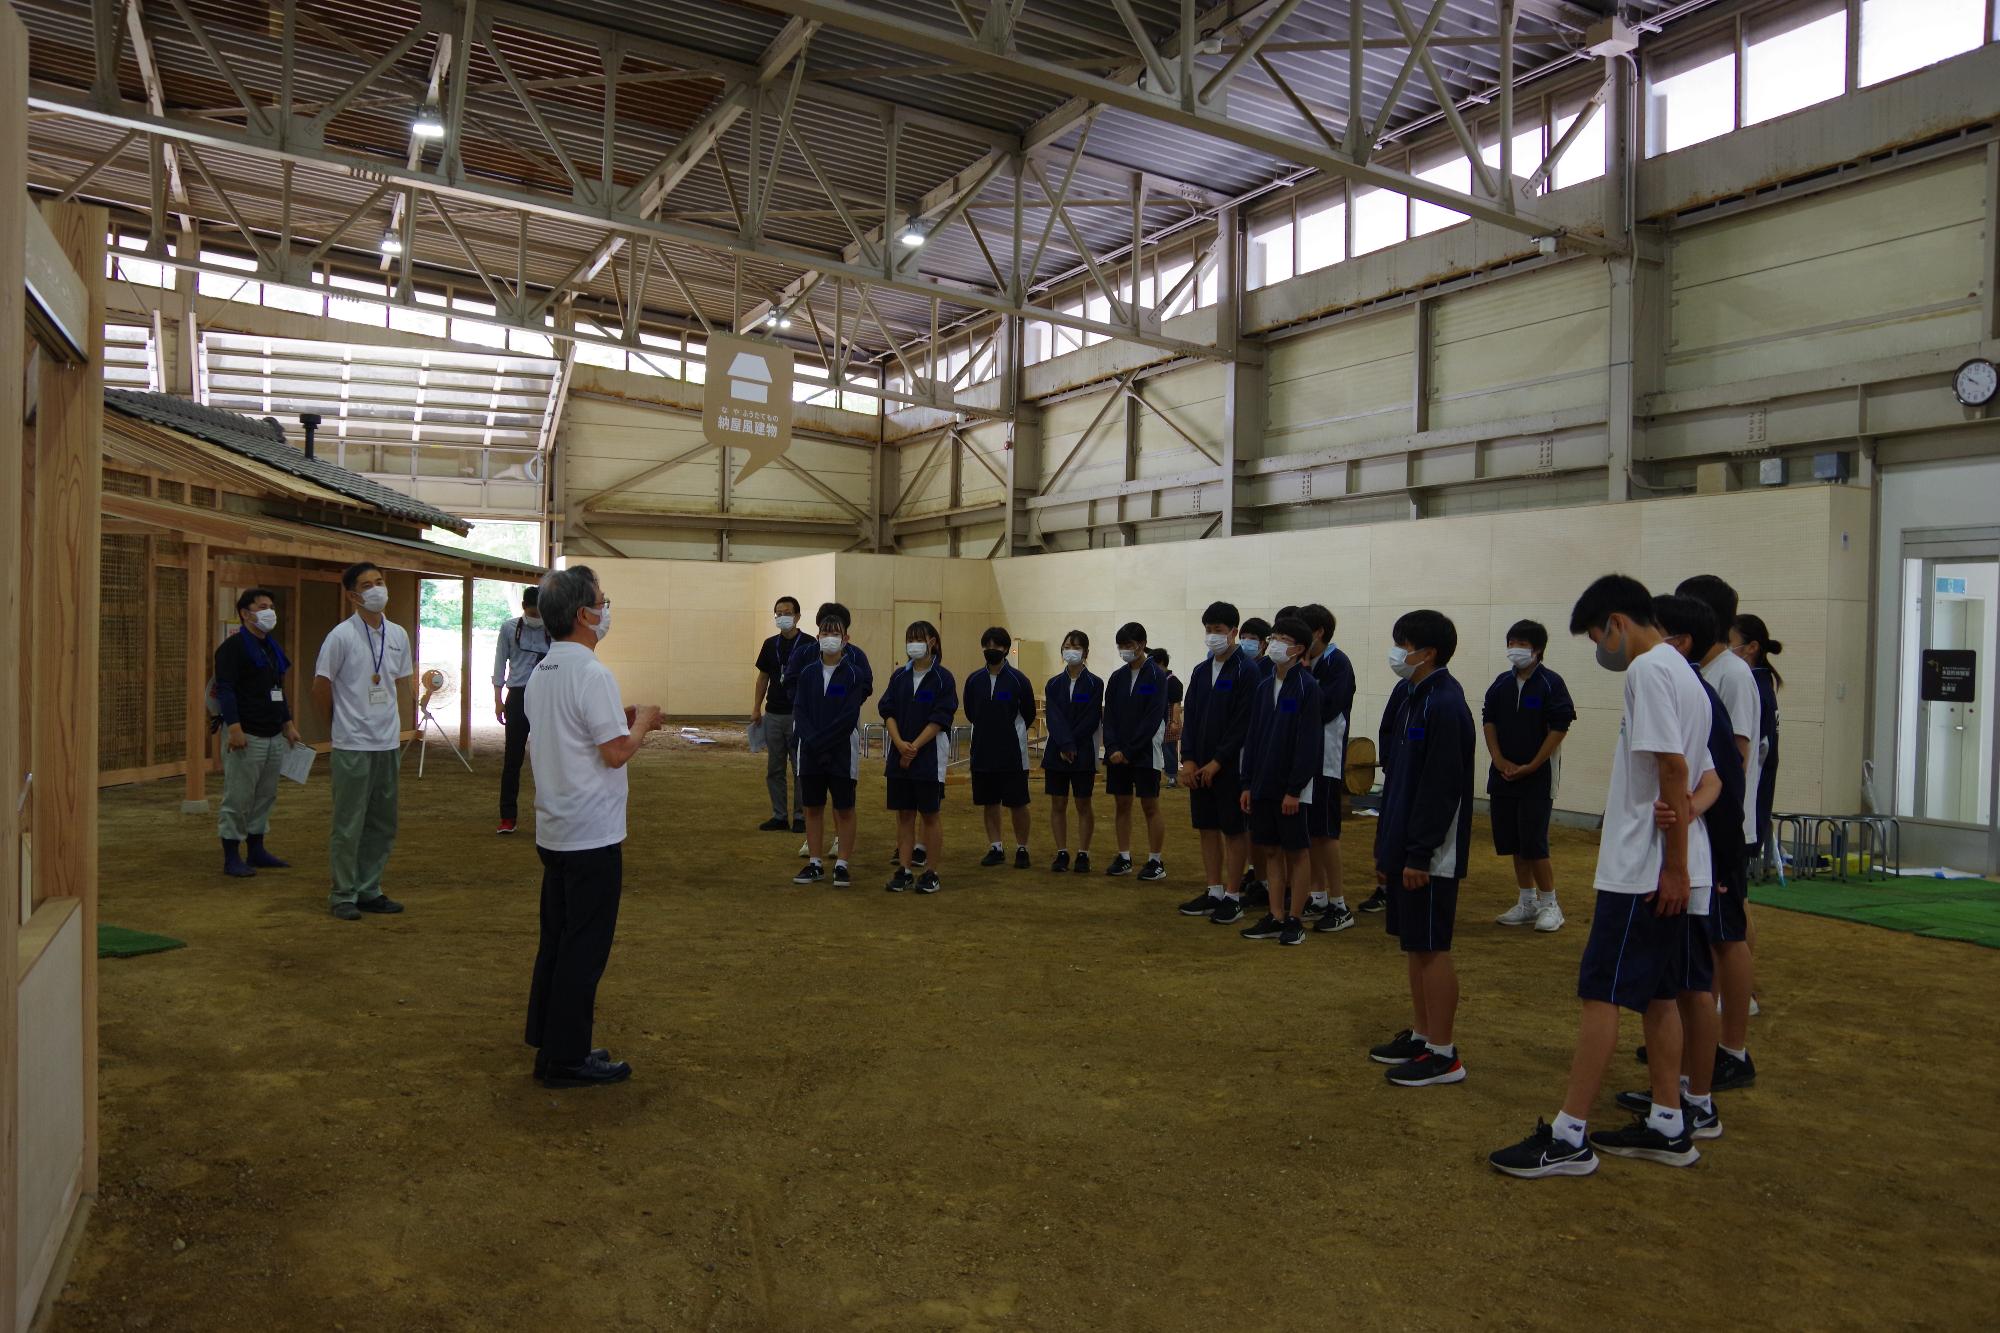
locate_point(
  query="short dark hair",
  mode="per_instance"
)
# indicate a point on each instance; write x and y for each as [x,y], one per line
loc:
[1079,638]
[531,596]
[1284,613]
[796,608]
[352,574]
[1294,628]
[1256,627]
[833,613]
[1131,632]
[1319,620]
[1677,614]
[1221,613]
[1611,594]
[997,636]
[1717,595]
[1530,632]
[1427,629]
[1160,655]
[249,595]
[923,629]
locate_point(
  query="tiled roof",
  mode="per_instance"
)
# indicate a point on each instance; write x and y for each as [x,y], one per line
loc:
[264,440]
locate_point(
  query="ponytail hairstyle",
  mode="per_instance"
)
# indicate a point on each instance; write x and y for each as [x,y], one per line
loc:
[923,629]
[1752,629]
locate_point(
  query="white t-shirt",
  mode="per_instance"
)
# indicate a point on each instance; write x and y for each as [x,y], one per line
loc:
[1736,685]
[1666,712]
[574,707]
[365,714]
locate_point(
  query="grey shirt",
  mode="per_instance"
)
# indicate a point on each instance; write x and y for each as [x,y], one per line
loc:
[520,648]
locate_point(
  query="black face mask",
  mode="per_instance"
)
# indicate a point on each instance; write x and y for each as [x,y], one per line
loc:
[995,656]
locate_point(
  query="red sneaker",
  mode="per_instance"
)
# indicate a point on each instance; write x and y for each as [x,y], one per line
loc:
[506,826]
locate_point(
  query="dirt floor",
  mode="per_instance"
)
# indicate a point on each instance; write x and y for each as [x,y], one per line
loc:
[1027,1103]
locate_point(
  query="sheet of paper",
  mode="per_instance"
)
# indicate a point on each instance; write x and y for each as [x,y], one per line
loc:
[298,763]
[757,742]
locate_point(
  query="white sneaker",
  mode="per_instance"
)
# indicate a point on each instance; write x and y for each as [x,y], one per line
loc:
[1548,916]
[1755,1008]
[1520,914]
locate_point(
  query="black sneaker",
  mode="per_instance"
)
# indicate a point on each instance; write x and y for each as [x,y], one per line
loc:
[1120,865]
[380,905]
[1082,866]
[1228,911]
[994,857]
[1426,1069]
[1199,905]
[928,882]
[799,825]
[900,881]
[812,872]
[771,825]
[1247,883]
[841,879]
[1020,858]
[1336,917]
[1060,866]
[919,857]
[1267,929]
[1293,933]
[895,856]
[1315,910]
[1402,1048]
[1155,869]
[1543,1154]
[1642,1141]
[1701,1124]
[1732,1073]
[1377,902]
[1258,894]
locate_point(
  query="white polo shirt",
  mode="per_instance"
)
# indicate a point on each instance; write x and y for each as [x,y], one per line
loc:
[573,707]
[365,713]
[1736,685]
[1666,712]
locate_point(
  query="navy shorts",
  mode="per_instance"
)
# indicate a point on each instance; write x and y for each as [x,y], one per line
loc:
[1323,819]
[1007,786]
[1521,825]
[1421,918]
[916,794]
[1079,785]
[1633,957]
[1218,807]
[1697,970]
[1270,826]
[815,788]
[1125,780]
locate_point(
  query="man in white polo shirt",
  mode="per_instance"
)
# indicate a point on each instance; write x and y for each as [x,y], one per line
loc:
[580,737]
[354,685]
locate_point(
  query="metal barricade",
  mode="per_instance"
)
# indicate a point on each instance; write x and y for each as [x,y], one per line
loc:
[1838,846]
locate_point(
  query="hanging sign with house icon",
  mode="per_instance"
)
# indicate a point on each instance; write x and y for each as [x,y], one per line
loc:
[747,399]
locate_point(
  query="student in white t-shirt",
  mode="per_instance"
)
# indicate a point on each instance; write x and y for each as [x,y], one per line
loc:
[1648,879]
[354,686]
[580,737]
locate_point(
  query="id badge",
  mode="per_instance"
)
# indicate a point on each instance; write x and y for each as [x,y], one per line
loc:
[277,694]
[378,696]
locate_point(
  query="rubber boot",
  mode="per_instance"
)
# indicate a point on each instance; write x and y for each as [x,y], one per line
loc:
[262,859]
[233,864]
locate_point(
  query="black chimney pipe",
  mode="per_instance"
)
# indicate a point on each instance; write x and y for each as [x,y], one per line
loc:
[310,420]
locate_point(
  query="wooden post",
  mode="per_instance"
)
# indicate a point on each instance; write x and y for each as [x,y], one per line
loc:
[194,800]
[465,669]
[69,471]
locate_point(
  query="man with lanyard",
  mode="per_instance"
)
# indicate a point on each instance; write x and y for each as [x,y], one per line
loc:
[250,669]
[522,645]
[771,704]
[354,686]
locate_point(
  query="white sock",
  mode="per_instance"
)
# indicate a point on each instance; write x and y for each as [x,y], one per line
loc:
[1544,898]
[1448,1050]
[1569,1129]
[815,861]
[1743,1054]
[1418,1036]
[1665,1119]
[1706,1105]
[1152,857]
[1127,855]
[1216,891]
[1319,899]
[1528,897]
[1684,1085]
[1340,901]
[840,863]
[995,846]
[916,849]
[1234,895]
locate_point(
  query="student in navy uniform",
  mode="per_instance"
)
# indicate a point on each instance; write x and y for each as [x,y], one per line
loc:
[918,705]
[1424,839]
[1526,718]
[1000,705]
[1250,636]
[827,695]
[1750,639]
[1170,763]
[1334,675]
[1073,707]
[771,704]
[805,648]
[1216,720]
[1135,730]
[1281,759]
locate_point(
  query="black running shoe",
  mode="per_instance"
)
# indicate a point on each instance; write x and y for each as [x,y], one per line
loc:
[1426,1069]
[771,825]
[1120,865]
[1543,1154]
[919,857]
[1336,917]
[1020,858]
[1642,1141]
[994,857]
[928,882]
[1082,866]
[1732,1073]
[1267,929]
[1640,1055]
[895,857]
[1154,869]
[1377,902]
[1199,905]
[1314,909]
[1258,894]
[812,872]
[1228,911]
[1293,933]
[1701,1124]
[900,881]
[841,879]
[1402,1048]
[1061,864]
[799,825]
[1244,886]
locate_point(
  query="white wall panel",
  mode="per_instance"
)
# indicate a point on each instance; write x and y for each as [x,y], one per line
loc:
[1341,385]
[1535,343]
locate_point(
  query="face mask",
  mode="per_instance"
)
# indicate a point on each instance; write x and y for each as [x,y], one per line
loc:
[1400,663]
[532,622]
[265,620]
[995,656]
[375,598]
[1520,657]
[1217,644]
[603,626]
[1278,651]
[829,644]
[917,650]
[1251,646]
[1128,655]
[1072,656]
[1609,658]
[784,622]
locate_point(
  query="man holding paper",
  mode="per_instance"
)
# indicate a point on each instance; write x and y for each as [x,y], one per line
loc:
[250,668]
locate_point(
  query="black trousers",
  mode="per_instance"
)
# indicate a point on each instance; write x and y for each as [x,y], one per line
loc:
[580,893]
[515,710]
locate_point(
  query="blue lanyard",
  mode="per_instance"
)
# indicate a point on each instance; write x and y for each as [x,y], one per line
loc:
[376,649]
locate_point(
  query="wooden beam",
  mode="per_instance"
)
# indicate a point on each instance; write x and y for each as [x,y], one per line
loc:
[194,800]
[465,667]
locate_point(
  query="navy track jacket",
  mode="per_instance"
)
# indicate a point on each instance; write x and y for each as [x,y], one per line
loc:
[1334,674]
[1073,710]
[826,715]
[1282,755]
[1724,819]
[1001,709]
[1522,714]
[1135,714]
[1215,714]
[916,704]
[806,652]
[1427,750]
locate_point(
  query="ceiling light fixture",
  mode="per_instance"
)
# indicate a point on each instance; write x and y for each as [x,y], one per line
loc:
[428,123]
[392,244]
[913,234]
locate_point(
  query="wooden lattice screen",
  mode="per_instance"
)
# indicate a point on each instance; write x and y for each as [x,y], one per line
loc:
[121,699]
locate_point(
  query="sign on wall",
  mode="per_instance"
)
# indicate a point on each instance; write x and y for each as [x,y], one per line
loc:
[746,402]
[1946,675]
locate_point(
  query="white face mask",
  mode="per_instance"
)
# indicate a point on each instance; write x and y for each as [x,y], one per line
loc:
[1251,646]
[603,625]
[1279,651]
[784,622]
[1128,655]
[375,598]
[265,620]
[915,650]
[1072,656]
[829,644]
[1217,644]
[1520,657]
[531,621]
[1400,663]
